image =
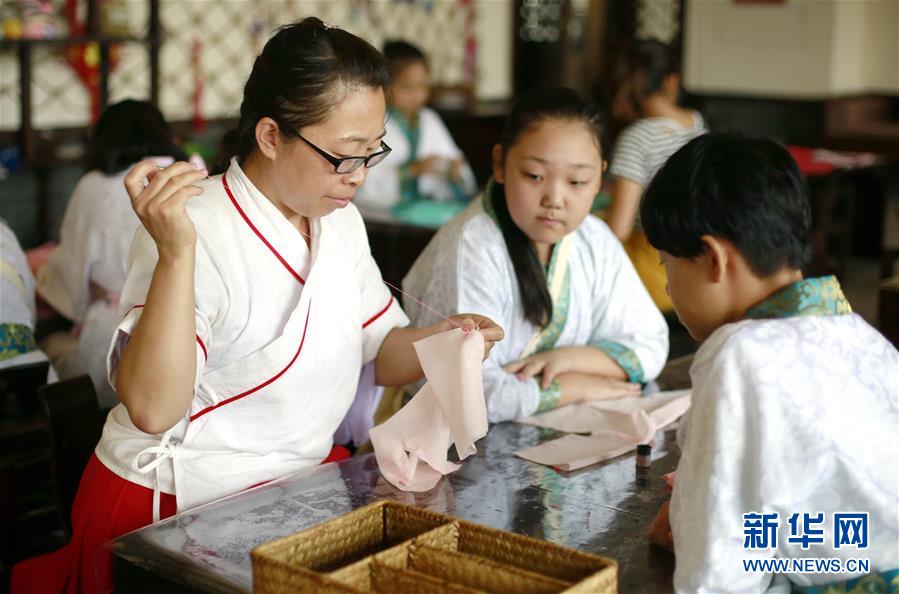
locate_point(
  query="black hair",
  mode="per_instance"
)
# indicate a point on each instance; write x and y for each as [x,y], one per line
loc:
[400,54]
[638,71]
[532,108]
[748,191]
[127,132]
[304,70]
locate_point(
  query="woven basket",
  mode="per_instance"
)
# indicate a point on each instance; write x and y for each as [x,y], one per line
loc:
[393,548]
[480,574]
[304,559]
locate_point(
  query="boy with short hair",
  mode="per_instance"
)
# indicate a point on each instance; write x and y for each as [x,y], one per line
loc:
[791,447]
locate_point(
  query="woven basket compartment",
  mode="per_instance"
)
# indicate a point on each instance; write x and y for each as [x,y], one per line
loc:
[301,562]
[391,548]
[479,573]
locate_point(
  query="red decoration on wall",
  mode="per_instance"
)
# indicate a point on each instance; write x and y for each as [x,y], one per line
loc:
[84,59]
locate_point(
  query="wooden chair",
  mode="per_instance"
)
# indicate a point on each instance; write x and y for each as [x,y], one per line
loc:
[75,423]
[24,464]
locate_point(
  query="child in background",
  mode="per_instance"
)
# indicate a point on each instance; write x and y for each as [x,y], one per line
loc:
[645,98]
[85,273]
[579,323]
[18,312]
[794,397]
[425,163]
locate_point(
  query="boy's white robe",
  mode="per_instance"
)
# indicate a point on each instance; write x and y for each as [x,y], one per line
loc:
[789,415]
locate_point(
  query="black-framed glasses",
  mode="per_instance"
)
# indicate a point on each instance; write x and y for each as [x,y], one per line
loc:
[351,164]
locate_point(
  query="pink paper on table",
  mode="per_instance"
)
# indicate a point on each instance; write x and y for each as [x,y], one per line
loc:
[411,446]
[615,427]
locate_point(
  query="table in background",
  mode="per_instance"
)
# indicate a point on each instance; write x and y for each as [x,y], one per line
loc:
[603,509]
[395,246]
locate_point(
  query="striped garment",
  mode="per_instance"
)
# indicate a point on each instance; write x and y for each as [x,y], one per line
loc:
[644,146]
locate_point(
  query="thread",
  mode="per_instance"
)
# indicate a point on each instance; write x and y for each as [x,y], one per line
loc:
[418,301]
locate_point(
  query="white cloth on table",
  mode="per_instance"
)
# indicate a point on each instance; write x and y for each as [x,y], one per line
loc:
[612,428]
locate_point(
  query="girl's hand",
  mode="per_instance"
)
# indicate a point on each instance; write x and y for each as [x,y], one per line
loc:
[455,172]
[432,164]
[489,329]
[583,387]
[160,204]
[659,532]
[550,364]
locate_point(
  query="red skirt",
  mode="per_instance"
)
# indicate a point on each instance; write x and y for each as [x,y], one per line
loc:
[106,507]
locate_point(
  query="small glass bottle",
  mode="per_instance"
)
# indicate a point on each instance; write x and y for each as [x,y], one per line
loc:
[644,455]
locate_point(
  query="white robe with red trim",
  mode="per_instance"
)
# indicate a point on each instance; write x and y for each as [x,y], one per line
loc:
[282,333]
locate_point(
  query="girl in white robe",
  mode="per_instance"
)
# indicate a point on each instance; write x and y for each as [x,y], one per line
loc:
[794,421]
[249,311]
[425,164]
[579,323]
[84,274]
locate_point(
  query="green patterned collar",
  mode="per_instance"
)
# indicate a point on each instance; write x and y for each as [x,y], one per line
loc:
[409,128]
[487,199]
[821,296]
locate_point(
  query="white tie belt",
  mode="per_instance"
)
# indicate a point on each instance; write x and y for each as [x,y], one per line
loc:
[162,452]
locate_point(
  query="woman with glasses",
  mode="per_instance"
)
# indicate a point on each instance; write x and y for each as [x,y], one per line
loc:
[251,304]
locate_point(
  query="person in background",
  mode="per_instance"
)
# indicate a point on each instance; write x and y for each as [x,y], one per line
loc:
[84,274]
[18,312]
[425,163]
[645,95]
[579,323]
[795,403]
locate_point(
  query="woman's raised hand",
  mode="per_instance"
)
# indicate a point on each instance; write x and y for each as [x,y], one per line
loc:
[158,197]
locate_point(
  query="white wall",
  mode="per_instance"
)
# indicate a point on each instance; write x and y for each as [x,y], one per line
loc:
[797,49]
[494,31]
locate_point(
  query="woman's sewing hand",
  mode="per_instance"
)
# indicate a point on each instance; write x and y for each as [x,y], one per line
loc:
[159,204]
[489,329]
[550,364]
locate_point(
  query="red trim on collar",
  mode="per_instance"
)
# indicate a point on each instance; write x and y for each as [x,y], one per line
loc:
[266,382]
[199,340]
[379,314]
[256,231]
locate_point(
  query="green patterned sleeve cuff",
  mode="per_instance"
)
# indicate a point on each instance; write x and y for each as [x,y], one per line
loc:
[625,357]
[15,340]
[549,397]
